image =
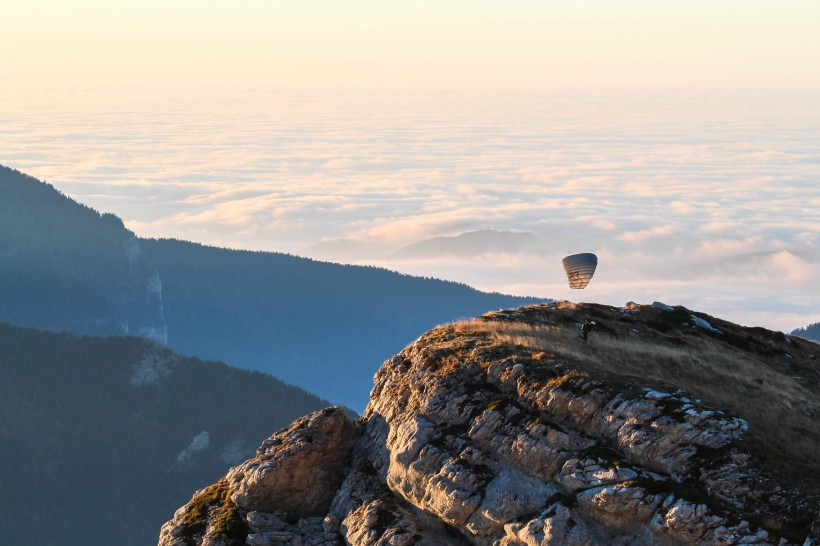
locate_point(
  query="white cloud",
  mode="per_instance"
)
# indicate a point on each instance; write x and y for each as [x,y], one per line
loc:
[655,231]
[723,248]
[722,226]
[681,207]
[653,184]
[342,164]
[793,269]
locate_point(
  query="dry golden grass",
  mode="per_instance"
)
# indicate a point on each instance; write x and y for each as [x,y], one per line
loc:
[782,411]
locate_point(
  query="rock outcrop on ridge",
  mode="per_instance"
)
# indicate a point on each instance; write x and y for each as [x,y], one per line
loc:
[508,431]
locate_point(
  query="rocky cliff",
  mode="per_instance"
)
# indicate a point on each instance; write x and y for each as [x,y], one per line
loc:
[667,427]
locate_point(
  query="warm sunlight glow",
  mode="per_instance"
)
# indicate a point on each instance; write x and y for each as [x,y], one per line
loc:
[678,141]
[525,44]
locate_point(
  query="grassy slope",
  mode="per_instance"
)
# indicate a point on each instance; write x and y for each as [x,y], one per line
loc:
[769,379]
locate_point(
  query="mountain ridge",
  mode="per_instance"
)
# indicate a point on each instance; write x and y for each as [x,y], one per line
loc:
[109,433]
[292,316]
[508,430]
[812,332]
[469,244]
[65,266]
[319,325]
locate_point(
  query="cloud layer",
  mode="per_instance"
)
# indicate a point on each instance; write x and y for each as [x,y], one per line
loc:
[707,201]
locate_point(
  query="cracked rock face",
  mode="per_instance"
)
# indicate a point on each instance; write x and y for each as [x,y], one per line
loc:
[311,452]
[469,442]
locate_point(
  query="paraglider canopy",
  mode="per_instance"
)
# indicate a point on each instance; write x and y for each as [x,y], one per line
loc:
[580,268]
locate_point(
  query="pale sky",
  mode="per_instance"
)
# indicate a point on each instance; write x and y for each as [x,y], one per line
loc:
[680,141]
[701,44]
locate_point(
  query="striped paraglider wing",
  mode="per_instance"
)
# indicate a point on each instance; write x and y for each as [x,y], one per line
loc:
[580,268]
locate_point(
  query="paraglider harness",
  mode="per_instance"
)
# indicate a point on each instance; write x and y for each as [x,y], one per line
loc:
[585,329]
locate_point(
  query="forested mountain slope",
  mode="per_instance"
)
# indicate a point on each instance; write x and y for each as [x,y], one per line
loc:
[64,266]
[812,331]
[101,437]
[322,326]
[319,325]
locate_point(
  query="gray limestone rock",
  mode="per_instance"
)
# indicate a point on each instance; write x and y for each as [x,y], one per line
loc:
[312,451]
[466,442]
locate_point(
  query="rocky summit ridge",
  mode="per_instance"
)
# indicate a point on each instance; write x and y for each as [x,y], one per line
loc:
[668,427]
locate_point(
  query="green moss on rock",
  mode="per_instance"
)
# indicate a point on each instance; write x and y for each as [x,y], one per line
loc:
[214,505]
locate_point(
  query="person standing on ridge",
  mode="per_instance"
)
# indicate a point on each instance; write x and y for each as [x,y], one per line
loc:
[585,328]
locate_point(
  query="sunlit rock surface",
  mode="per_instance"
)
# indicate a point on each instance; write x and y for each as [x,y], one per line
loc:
[468,440]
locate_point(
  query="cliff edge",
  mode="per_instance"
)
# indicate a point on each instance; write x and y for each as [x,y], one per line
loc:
[666,427]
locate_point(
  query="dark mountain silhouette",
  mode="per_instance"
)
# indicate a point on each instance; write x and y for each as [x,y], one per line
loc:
[319,325]
[812,331]
[101,437]
[64,266]
[322,326]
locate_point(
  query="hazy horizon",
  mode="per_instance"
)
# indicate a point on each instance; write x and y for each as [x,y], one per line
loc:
[680,142]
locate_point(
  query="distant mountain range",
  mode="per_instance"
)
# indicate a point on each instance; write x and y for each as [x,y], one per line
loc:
[322,326]
[110,434]
[738,264]
[469,244]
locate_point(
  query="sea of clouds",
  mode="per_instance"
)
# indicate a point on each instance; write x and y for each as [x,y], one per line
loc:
[705,200]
